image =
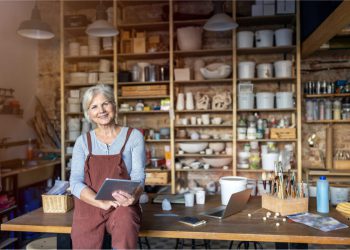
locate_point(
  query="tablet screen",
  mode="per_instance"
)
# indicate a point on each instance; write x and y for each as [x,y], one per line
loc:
[111,185]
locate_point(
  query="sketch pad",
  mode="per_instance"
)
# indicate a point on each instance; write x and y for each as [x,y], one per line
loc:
[111,185]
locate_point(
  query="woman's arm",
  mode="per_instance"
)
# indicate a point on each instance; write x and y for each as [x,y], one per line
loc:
[138,162]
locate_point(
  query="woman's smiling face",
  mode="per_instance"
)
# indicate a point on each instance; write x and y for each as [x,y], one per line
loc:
[101,110]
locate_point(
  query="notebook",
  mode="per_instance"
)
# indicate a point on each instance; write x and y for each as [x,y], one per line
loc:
[236,204]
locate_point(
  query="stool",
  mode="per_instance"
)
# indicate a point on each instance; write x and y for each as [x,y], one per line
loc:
[43,243]
[180,243]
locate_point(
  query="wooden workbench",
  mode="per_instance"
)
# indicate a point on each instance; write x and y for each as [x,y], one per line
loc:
[237,227]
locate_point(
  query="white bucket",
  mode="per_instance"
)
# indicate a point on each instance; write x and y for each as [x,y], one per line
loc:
[264,100]
[189,38]
[269,160]
[265,70]
[246,70]
[264,38]
[339,194]
[231,185]
[283,68]
[245,39]
[74,108]
[73,124]
[245,101]
[283,37]
[73,135]
[284,100]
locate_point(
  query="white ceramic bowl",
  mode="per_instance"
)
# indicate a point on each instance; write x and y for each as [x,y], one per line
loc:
[187,161]
[217,146]
[193,147]
[217,162]
[216,71]
[205,136]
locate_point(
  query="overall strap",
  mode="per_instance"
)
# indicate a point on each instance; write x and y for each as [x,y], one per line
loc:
[126,139]
[89,142]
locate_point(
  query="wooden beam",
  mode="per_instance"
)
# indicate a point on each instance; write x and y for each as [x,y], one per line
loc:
[335,22]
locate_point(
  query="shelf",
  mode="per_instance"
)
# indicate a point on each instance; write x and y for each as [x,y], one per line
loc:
[268,50]
[203,155]
[203,111]
[268,140]
[267,110]
[266,20]
[203,126]
[258,170]
[162,112]
[327,95]
[268,80]
[216,81]
[143,97]
[79,85]
[328,172]
[78,4]
[151,26]
[185,23]
[150,170]
[125,3]
[136,56]
[74,113]
[328,121]
[205,52]
[141,83]
[202,140]
[88,58]
[205,170]
[158,141]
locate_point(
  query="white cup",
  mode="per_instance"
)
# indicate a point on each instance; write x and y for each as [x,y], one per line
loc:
[206,166]
[199,121]
[189,199]
[193,120]
[178,165]
[209,151]
[200,197]
[205,119]
[184,121]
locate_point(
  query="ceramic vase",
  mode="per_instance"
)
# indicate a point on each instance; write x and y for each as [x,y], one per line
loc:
[180,104]
[189,101]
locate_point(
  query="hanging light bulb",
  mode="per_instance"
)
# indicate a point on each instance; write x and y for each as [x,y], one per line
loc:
[101,28]
[220,21]
[35,28]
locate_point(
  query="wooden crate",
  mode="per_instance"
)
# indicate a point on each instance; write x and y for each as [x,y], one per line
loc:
[154,178]
[283,133]
[57,203]
[285,206]
[144,90]
[341,164]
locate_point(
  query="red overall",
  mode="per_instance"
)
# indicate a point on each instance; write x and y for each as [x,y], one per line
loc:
[89,222]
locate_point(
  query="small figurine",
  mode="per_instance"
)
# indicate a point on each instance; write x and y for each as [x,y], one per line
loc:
[202,102]
[222,101]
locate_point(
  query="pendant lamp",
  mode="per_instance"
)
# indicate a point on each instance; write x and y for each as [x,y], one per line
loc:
[220,21]
[101,28]
[35,28]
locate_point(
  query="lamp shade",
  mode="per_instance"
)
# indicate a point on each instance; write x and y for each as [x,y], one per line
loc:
[220,22]
[101,28]
[35,28]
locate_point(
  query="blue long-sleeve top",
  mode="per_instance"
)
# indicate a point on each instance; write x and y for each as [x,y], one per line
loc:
[134,156]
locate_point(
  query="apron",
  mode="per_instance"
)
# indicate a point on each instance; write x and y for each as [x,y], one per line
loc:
[90,222]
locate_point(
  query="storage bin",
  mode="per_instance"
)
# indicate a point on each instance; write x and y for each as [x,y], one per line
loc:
[283,68]
[57,203]
[264,38]
[284,100]
[265,70]
[246,70]
[284,37]
[245,39]
[245,101]
[265,100]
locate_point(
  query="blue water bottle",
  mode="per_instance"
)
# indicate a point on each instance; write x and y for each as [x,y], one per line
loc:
[322,195]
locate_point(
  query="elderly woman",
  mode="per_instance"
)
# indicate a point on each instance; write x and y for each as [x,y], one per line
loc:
[108,151]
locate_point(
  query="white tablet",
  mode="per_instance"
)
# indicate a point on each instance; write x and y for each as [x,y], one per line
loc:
[111,185]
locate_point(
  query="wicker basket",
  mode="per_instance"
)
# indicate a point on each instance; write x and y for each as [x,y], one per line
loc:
[57,203]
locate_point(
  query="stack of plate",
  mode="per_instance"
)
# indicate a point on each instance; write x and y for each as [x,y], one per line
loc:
[94,45]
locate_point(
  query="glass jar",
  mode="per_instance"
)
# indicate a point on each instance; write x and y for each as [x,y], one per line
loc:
[336,109]
[328,110]
[254,160]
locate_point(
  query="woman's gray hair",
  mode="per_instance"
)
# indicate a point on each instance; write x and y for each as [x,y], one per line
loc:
[91,92]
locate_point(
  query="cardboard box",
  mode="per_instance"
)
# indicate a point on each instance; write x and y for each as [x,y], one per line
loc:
[283,133]
[139,45]
[341,164]
[154,178]
[183,74]
[285,206]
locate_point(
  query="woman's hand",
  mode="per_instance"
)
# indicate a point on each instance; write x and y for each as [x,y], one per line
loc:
[123,198]
[105,205]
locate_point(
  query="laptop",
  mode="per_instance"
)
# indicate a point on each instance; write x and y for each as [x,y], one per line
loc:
[236,204]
